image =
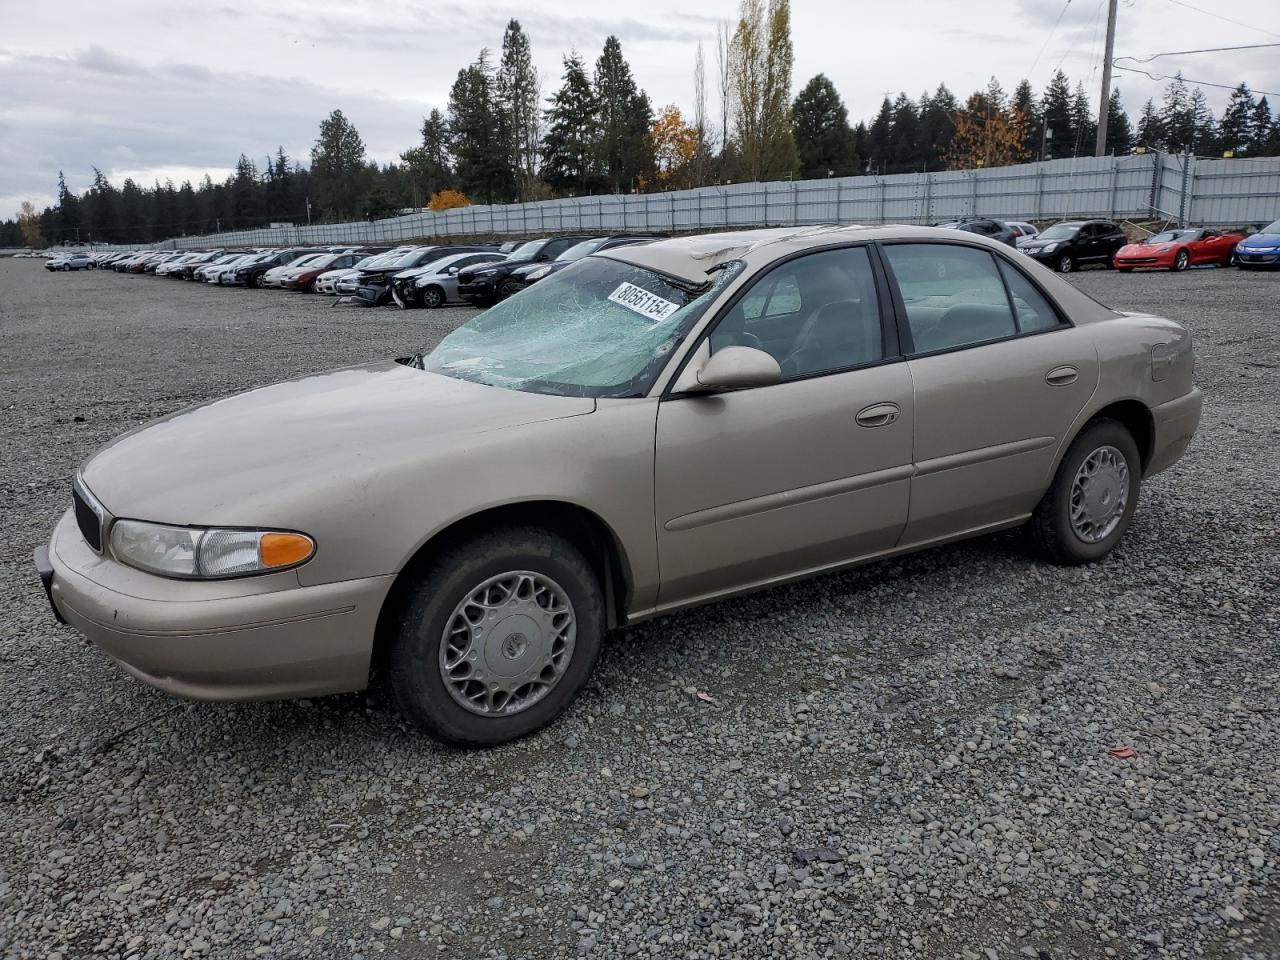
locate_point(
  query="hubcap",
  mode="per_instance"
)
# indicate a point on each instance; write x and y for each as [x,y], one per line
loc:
[508,643]
[1065,264]
[1099,494]
[431,298]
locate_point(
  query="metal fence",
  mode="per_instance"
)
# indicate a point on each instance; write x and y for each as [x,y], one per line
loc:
[1155,186]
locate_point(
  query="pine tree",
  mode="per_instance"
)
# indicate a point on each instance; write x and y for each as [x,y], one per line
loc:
[1084,127]
[880,139]
[1261,130]
[1177,117]
[67,213]
[937,126]
[427,165]
[1150,129]
[1058,139]
[906,154]
[1205,127]
[337,165]
[1024,104]
[518,92]
[824,142]
[1119,132]
[1235,132]
[479,136]
[625,116]
[570,148]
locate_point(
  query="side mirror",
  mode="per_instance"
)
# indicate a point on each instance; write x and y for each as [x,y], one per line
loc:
[735,368]
[451,271]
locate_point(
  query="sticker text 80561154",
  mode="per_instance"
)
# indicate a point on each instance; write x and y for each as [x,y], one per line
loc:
[643,302]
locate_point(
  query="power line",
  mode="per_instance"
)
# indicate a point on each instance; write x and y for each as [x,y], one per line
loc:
[1210,13]
[1182,53]
[1044,46]
[1194,83]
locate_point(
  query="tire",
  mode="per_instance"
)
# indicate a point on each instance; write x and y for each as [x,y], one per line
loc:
[418,649]
[431,298]
[1181,261]
[506,289]
[1066,263]
[1052,531]
[1232,260]
[254,281]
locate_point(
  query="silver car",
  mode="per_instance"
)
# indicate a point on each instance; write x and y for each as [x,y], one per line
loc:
[653,427]
[436,284]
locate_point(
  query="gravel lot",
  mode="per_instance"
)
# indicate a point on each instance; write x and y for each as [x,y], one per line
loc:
[909,760]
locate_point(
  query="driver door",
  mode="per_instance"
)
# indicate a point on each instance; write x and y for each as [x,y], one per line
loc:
[757,485]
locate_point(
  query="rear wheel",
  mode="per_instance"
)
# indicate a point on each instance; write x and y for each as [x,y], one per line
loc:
[1181,261]
[1066,263]
[1091,502]
[431,297]
[498,635]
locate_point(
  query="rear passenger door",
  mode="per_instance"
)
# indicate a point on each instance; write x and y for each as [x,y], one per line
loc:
[999,376]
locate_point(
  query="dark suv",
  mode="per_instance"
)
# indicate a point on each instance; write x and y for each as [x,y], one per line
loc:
[1073,243]
[250,274]
[487,283]
[984,227]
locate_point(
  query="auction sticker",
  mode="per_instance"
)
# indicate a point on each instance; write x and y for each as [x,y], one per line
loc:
[643,302]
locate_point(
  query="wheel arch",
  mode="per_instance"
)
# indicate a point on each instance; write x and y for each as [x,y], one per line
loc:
[1131,413]
[581,526]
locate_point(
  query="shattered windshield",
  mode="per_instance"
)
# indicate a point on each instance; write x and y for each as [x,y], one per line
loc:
[600,328]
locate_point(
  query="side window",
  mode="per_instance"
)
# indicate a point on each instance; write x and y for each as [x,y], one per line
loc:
[816,314]
[1031,309]
[953,295]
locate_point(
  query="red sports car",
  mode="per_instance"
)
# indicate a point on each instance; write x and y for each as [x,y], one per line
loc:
[1179,249]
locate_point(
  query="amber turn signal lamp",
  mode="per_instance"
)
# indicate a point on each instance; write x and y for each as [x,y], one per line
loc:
[284,549]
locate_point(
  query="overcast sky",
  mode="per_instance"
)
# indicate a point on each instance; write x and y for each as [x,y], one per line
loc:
[172,90]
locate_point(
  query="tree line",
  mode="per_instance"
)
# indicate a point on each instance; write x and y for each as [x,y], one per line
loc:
[500,140]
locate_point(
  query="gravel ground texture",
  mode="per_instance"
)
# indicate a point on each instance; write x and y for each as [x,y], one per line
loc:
[907,760]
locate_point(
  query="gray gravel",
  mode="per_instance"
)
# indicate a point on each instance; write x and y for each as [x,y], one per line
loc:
[909,760]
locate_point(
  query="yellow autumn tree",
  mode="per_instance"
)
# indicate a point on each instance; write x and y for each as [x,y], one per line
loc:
[674,145]
[447,200]
[29,224]
[987,136]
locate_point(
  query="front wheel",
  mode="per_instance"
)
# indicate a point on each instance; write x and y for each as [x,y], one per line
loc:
[508,288]
[1090,504]
[431,298]
[1066,263]
[1181,261]
[496,637]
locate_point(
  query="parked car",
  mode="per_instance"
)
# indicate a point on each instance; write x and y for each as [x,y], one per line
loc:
[156,262]
[1023,230]
[304,276]
[250,274]
[490,282]
[70,261]
[1261,249]
[200,272]
[660,426]
[373,282]
[984,227]
[1179,250]
[436,284]
[188,269]
[214,274]
[174,263]
[533,272]
[1065,246]
[275,275]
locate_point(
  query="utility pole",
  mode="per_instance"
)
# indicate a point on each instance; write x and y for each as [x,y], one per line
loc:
[1104,107]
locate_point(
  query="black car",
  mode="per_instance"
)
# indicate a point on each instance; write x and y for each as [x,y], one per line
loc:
[374,280]
[984,227]
[250,274]
[487,283]
[1073,243]
[533,272]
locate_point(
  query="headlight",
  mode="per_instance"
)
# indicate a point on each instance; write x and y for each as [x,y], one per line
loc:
[539,273]
[1049,248]
[198,553]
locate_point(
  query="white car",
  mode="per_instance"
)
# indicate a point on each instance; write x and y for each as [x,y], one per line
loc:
[275,276]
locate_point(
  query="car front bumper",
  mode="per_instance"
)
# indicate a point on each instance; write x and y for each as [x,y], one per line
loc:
[1268,259]
[216,640]
[478,290]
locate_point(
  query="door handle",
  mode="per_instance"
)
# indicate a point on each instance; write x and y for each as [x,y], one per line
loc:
[877,415]
[1062,376]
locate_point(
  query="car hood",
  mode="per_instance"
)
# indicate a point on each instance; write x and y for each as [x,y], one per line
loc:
[1261,240]
[1145,249]
[251,458]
